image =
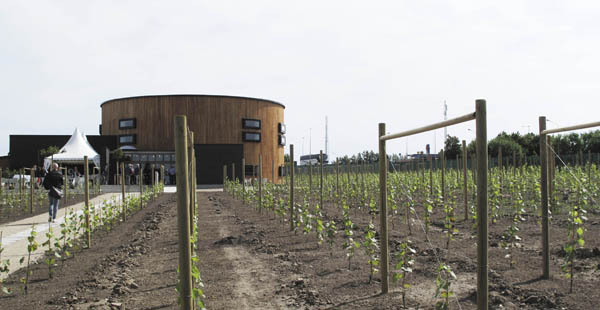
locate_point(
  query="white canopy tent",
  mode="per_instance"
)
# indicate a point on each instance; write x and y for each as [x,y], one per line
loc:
[73,151]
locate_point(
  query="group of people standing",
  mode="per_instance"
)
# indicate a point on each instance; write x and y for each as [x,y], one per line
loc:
[53,182]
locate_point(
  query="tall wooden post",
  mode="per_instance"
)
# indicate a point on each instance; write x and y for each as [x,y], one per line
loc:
[321,182]
[190,178]
[465,192]
[88,227]
[273,171]
[337,179]
[430,176]
[292,224]
[192,183]
[500,160]
[22,188]
[31,182]
[162,176]
[123,198]
[443,159]
[544,198]
[141,187]
[310,176]
[243,180]
[482,204]
[383,211]
[224,176]
[152,175]
[185,274]
[66,185]
[260,182]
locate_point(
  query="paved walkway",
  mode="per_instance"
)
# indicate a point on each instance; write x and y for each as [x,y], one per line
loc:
[14,234]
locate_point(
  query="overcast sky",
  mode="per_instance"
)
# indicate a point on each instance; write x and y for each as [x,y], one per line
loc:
[358,62]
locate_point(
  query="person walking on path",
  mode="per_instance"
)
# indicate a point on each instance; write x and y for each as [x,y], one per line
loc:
[53,183]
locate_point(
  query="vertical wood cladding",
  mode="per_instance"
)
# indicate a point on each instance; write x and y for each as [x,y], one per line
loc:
[213,119]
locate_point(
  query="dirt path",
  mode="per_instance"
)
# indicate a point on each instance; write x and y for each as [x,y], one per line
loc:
[243,279]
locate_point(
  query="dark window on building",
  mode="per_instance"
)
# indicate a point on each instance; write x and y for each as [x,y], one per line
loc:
[248,123]
[281,128]
[281,171]
[251,136]
[100,129]
[281,140]
[250,170]
[127,123]
[127,139]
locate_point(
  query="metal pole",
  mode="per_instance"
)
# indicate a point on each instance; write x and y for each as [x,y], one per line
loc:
[465,192]
[383,211]
[482,205]
[544,193]
[292,187]
[185,255]
[88,228]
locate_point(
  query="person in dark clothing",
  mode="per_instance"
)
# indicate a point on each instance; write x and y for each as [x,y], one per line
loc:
[53,183]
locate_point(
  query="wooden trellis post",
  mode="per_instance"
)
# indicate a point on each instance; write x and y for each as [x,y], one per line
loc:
[183,215]
[292,224]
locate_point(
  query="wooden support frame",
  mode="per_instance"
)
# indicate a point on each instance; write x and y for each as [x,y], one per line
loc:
[546,175]
[480,117]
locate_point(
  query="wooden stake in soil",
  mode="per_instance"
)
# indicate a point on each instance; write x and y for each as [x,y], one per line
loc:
[544,198]
[443,159]
[243,180]
[310,176]
[88,228]
[321,183]
[66,185]
[141,186]
[383,211]
[31,182]
[185,255]
[482,205]
[292,224]
[260,182]
[224,177]
[123,198]
[465,192]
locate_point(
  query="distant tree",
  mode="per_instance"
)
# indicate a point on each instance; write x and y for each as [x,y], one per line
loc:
[286,158]
[452,147]
[118,155]
[591,141]
[50,151]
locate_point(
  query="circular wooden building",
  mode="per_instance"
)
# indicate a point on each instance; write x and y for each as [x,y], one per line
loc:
[226,129]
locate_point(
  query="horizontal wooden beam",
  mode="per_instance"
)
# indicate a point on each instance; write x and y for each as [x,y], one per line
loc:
[454,121]
[569,128]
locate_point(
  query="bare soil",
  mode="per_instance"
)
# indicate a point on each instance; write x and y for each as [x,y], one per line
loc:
[251,260]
